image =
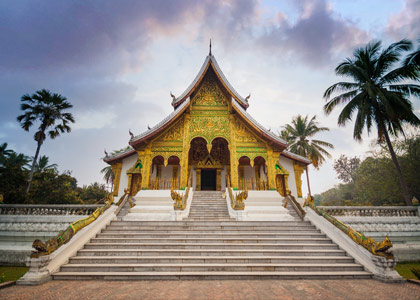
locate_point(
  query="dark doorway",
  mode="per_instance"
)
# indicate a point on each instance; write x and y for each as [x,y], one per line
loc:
[208,180]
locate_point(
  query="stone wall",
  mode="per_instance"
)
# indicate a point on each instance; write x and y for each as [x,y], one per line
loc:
[400,224]
[20,225]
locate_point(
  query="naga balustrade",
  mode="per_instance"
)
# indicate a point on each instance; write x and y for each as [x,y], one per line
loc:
[371,211]
[47,209]
[181,200]
[236,202]
[64,236]
[380,249]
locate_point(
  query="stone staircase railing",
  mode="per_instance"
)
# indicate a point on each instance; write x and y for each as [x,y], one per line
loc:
[372,211]
[236,202]
[47,209]
[296,206]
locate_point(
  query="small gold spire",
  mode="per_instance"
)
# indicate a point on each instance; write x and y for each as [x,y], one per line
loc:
[210,48]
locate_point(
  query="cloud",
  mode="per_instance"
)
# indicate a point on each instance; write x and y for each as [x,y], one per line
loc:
[315,38]
[406,23]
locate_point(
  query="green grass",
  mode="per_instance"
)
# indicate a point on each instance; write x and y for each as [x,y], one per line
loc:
[404,269]
[12,273]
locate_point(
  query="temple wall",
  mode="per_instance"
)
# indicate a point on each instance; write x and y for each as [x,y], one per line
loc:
[127,164]
[288,165]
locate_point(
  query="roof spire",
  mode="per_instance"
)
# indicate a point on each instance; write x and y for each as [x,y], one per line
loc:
[210,48]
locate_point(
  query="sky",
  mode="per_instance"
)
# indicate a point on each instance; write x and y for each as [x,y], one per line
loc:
[118,61]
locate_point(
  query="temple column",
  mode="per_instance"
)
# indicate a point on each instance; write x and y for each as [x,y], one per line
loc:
[271,169]
[146,158]
[232,152]
[185,152]
[298,177]
[116,169]
[218,179]
[198,174]
[242,177]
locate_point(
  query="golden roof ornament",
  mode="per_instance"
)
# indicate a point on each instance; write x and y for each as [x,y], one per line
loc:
[210,48]
[130,133]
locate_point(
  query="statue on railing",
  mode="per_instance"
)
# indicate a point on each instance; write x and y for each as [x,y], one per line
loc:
[65,235]
[370,244]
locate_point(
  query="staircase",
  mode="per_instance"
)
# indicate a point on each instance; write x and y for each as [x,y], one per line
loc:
[210,245]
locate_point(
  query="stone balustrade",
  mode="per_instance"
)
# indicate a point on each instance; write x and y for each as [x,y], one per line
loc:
[372,211]
[47,209]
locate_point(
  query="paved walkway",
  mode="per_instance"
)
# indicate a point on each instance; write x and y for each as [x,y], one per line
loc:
[215,289]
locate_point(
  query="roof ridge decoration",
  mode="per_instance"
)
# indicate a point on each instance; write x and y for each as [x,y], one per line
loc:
[210,61]
[119,154]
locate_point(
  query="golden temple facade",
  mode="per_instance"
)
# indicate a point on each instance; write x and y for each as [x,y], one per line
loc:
[208,140]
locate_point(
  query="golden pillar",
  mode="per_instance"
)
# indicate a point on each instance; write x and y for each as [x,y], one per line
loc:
[185,152]
[218,179]
[198,186]
[116,169]
[298,177]
[146,158]
[242,177]
[271,169]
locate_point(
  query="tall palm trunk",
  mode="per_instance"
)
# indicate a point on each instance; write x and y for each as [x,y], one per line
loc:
[404,188]
[33,166]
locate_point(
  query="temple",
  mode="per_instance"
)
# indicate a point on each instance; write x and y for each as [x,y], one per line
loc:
[208,140]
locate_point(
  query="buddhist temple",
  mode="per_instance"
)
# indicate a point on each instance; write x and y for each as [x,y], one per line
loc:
[208,140]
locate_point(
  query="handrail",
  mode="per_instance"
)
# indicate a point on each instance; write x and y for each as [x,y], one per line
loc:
[122,202]
[380,249]
[64,236]
[181,200]
[297,207]
[237,202]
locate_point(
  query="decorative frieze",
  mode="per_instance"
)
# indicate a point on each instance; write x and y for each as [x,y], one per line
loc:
[47,209]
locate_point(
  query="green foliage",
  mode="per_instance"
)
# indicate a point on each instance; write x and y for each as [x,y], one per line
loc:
[299,135]
[12,273]
[50,111]
[92,193]
[405,269]
[347,168]
[376,180]
[48,185]
[416,272]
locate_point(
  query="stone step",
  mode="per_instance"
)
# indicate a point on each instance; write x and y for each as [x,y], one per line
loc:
[214,240]
[153,234]
[209,231]
[205,267]
[210,275]
[222,223]
[210,228]
[210,259]
[211,252]
[219,245]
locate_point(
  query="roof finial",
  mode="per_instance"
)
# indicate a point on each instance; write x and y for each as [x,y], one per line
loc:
[210,48]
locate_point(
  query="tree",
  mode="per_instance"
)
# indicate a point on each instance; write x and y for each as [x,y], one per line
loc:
[49,109]
[414,57]
[108,176]
[377,95]
[4,153]
[42,164]
[299,133]
[346,168]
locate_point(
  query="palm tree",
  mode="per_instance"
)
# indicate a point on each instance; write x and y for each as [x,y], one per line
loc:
[414,57]
[16,160]
[376,94]
[108,176]
[42,164]
[299,137]
[49,109]
[4,153]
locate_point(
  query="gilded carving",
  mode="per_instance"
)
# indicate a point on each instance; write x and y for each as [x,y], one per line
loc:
[242,134]
[210,128]
[209,93]
[298,177]
[175,133]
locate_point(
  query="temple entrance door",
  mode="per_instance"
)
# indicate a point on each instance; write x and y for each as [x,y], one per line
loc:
[135,184]
[280,184]
[208,180]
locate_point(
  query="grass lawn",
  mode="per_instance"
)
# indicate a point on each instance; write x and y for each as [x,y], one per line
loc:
[404,269]
[12,273]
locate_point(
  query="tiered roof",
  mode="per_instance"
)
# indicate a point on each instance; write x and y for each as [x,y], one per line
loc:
[181,103]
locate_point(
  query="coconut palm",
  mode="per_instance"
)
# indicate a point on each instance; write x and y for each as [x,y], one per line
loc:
[49,109]
[414,57]
[299,135]
[108,176]
[42,164]
[4,153]
[376,94]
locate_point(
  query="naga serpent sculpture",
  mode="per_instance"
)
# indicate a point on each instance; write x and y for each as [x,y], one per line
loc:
[65,235]
[368,243]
